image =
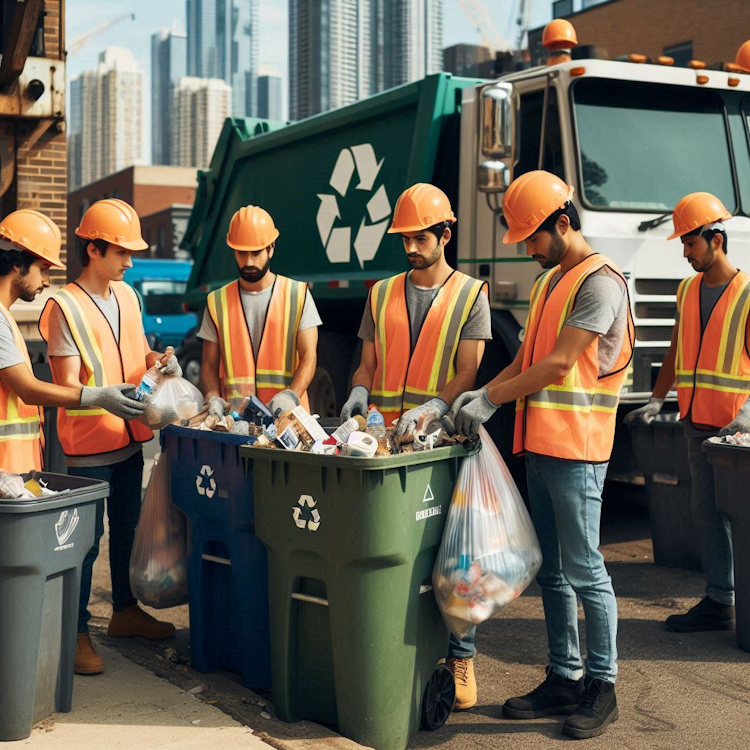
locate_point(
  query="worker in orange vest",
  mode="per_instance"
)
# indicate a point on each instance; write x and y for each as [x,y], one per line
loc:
[566,381]
[248,349]
[708,360]
[30,245]
[94,333]
[408,368]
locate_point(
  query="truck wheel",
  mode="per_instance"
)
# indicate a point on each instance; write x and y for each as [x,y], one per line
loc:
[438,699]
[191,370]
[330,386]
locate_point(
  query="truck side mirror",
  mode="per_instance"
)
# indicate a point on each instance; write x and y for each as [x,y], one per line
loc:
[498,124]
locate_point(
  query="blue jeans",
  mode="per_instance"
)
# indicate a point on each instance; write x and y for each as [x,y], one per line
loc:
[463,649]
[123,509]
[566,504]
[714,532]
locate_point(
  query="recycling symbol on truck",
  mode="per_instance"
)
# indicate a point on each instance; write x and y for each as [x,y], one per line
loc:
[338,240]
[205,482]
[309,520]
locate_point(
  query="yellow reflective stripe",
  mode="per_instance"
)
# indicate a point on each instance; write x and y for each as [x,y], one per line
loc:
[284,373]
[85,340]
[571,407]
[682,290]
[86,412]
[382,296]
[735,332]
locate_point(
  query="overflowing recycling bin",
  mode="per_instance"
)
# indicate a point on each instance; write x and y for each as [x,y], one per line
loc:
[227,564]
[732,479]
[660,450]
[357,639]
[42,545]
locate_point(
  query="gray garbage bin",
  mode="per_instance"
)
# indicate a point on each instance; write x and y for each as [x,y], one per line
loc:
[42,546]
[660,451]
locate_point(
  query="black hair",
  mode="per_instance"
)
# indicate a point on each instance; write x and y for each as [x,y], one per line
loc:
[439,229]
[708,235]
[10,259]
[569,210]
[83,244]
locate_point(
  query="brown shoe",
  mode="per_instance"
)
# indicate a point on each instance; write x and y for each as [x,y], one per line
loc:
[466,683]
[134,621]
[87,661]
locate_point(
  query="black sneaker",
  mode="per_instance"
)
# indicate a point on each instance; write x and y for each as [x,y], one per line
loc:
[597,710]
[706,615]
[555,695]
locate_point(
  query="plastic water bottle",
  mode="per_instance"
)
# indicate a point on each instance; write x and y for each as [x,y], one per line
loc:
[376,424]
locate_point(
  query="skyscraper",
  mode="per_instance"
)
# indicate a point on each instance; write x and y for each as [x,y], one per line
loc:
[168,65]
[199,106]
[106,117]
[329,54]
[269,97]
[222,42]
[407,41]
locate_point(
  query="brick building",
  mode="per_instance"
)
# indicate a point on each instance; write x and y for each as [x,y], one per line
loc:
[688,30]
[164,230]
[149,189]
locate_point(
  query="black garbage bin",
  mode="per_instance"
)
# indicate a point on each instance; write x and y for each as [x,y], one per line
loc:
[732,478]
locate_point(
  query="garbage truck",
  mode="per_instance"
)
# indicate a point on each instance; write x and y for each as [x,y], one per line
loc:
[632,138]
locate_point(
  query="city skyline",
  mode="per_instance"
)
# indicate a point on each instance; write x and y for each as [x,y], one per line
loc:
[83,15]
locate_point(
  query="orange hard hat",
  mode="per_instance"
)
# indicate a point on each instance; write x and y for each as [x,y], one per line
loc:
[251,228]
[743,57]
[114,221]
[35,232]
[559,34]
[530,199]
[695,211]
[421,206]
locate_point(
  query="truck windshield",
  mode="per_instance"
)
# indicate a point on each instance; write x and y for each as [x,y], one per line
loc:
[162,296]
[644,146]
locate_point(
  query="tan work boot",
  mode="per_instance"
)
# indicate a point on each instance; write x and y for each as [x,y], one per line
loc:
[134,621]
[87,661]
[466,683]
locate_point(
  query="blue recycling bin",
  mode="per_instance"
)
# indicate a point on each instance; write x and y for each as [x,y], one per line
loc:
[227,564]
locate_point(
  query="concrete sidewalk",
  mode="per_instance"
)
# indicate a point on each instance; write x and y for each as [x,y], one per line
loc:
[128,706]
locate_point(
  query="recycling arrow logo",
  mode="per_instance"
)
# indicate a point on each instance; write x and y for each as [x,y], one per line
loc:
[205,482]
[311,519]
[338,240]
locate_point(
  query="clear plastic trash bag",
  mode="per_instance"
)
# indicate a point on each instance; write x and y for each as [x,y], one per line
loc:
[490,552]
[158,563]
[174,399]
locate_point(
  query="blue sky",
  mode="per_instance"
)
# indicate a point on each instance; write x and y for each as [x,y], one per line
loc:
[154,15]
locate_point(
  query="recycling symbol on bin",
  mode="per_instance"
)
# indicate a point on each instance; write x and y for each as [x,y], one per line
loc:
[205,482]
[309,520]
[338,240]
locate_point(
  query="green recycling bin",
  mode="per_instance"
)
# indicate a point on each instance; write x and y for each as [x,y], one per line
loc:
[357,639]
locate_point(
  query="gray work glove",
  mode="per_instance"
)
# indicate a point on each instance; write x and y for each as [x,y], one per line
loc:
[116,399]
[357,403]
[217,406]
[741,423]
[474,412]
[172,367]
[645,414]
[459,403]
[408,420]
[286,400]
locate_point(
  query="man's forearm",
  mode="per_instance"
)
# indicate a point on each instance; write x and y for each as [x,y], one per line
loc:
[41,393]
[665,380]
[462,382]
[511,371]
[304,374]
[540,375]
[363,376]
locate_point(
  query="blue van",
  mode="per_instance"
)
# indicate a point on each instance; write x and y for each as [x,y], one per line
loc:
[160,286]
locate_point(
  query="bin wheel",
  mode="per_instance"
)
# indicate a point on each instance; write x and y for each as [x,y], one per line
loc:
[438,699]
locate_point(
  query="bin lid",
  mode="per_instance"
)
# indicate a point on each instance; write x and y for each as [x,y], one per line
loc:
[357,463]
[73,491]
[209,435]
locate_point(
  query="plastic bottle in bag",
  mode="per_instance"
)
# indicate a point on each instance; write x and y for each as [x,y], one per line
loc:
[153,377]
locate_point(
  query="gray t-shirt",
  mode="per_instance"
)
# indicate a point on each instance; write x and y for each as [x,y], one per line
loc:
[255,305]
[10,354]
[62,344]
[418,302]
[601,307]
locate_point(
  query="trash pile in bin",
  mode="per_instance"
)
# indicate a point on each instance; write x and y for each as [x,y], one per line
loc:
[15,487]
[738,438]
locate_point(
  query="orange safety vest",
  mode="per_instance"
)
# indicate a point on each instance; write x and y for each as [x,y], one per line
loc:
[712,366]
[104,361]
[573,418]
[277,361]
[21,437]
[404,378]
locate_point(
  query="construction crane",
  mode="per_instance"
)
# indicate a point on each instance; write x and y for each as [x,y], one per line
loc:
[479,17]
[81,41]
[522,21]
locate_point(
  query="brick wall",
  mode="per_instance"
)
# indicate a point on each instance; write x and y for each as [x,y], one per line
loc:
[717,29]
